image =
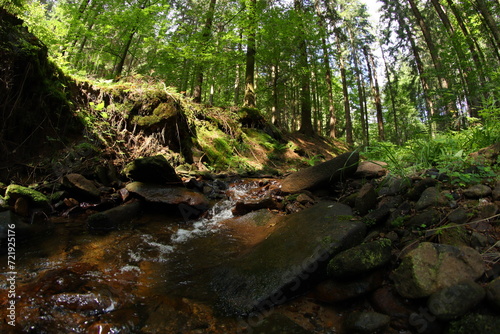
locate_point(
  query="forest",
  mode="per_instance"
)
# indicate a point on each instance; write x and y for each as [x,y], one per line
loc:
[322,67]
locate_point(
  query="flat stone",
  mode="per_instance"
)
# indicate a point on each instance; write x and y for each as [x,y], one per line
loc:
[81,186]
[115,217]
[168,195]
[282,264]
[431,267]
[323,175]
[371,169]
[493,293]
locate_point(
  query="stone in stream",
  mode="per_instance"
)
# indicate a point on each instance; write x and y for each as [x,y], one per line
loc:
[281,265]
[322,175]
[190,202]
[114,218]
[80,186]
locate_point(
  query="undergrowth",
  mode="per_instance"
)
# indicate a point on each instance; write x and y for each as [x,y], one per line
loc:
[447,153]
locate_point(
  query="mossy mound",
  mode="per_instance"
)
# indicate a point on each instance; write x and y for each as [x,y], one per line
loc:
[35,93]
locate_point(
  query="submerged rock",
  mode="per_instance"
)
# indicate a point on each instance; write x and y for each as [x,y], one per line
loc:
[322,175]
[431,267]
[282,264]
[115,217]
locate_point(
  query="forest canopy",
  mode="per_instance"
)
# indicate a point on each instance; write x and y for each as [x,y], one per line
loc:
[319,66]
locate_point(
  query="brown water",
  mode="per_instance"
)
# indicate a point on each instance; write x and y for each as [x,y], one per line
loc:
[147,278]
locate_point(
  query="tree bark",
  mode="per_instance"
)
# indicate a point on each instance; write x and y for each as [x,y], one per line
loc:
[249,100]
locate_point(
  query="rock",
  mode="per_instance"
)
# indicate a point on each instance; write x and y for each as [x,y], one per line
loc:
[431,267]
[154,169]
[477,191]
[360,259]
[331,291]
[456,235]
[304,199]
[247,205]
[90,303]
[387,301]
[31,196]
[370,170]
[475,323]
[322,175]
[366,199]
[458,216]
[377,216]
[424,219]
[9,221]
[81,186]
[487,155]
[431,197]
[394,186]
[496,192]
[115,217]
[419,187]
[487,210]
[21,207]
[170,196]
[366,322]
[282,264]
[493,293]
[455,300]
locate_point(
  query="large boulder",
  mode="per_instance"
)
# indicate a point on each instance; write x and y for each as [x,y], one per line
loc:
[323,175]
[282,264]
[431,267]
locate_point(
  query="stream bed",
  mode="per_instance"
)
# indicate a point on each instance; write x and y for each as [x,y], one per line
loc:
[150,277]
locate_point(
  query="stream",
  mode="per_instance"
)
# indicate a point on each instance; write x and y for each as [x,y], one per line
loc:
[151,277]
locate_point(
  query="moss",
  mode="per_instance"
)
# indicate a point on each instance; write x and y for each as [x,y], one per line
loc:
[15,191]
[475,323]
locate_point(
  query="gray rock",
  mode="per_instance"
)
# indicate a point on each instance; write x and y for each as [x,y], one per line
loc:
[477,191]
[456,300]
[458,216]
[366,322]
[360,259]
[154,169]
[431,197]
[169,195]
[424,219]
[322,175]
[394,186]
[283,263]
[419,187]
[81,186]
[493,293]
[366,199]
[487,210]
[431,267]
[496,192]
[370,170]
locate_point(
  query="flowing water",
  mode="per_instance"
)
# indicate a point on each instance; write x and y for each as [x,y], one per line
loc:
[148,278]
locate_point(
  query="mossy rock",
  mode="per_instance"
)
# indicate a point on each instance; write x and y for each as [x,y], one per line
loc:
[34,197]
[360,259]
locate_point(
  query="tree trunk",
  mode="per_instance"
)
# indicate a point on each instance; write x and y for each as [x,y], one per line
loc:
[207,29]
[375,92]
[249,100]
